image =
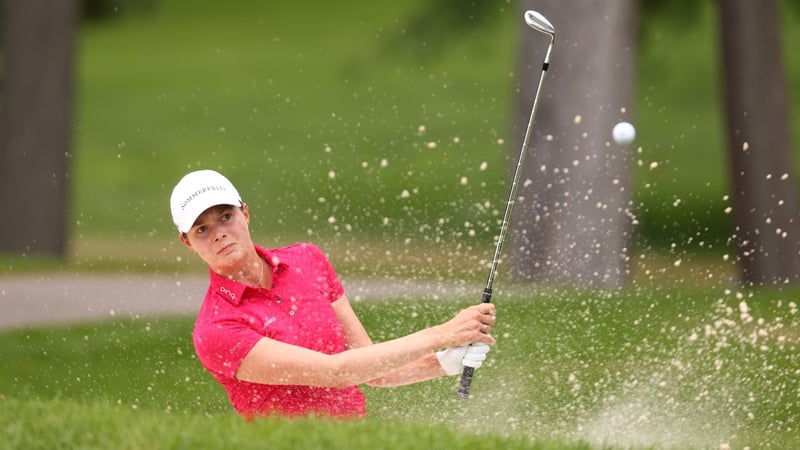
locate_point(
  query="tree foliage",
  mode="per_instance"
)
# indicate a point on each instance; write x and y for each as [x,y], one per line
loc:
[96,10]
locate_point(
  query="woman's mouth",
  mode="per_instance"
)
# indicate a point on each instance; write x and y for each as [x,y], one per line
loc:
[227,249]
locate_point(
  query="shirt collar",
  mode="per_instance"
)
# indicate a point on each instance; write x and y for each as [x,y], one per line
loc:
[233,291]
[271,258]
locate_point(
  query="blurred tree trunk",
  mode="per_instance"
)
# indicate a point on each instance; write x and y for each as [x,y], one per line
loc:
[757,113]
[571,220]
[35,128]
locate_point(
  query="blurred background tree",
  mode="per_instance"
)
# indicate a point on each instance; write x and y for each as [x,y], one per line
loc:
[36,124]
[763,181]
[97,10]
[573,219]
[580,217]
[574,216]
[36,127]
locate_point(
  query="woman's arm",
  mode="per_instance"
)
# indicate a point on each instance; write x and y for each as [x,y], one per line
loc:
[274,362]
[355,336]
[424,368]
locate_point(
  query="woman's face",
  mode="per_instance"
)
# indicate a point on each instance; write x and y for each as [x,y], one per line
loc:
[221,237]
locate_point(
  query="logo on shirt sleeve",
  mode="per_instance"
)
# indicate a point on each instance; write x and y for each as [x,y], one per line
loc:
[268,321]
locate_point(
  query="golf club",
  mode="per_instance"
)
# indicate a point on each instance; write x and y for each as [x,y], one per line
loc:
[539,23]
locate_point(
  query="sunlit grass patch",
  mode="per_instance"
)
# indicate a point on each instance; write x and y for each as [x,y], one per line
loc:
[643,367]
[68,423]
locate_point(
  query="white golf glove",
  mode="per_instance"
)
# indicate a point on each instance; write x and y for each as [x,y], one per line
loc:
[453,360]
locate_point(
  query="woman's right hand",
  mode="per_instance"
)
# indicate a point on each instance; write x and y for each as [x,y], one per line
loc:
[472,324]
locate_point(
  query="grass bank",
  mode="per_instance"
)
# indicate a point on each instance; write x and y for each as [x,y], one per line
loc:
[644,368]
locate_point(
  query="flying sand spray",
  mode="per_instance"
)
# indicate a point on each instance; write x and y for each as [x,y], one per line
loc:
[539,23]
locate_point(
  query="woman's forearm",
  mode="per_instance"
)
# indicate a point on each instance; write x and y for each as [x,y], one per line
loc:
[422,369]
[274,362]
[393,361]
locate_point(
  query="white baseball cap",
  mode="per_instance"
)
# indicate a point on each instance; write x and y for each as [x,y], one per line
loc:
[196,192]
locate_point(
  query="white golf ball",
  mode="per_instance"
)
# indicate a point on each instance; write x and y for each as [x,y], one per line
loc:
[623,133]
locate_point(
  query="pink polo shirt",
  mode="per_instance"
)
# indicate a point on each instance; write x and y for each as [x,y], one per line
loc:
[297,310]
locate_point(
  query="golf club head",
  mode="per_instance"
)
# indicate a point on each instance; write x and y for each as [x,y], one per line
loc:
[539,22]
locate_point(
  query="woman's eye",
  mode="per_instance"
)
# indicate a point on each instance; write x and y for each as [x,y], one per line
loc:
[226,217]
[201,229]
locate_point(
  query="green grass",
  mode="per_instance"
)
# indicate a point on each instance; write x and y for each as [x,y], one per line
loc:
[680,126]
[301,109]
[637,368]
[93,425]
[280,99]
[262,97]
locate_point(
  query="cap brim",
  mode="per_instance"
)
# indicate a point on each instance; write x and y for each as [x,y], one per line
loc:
[198,208]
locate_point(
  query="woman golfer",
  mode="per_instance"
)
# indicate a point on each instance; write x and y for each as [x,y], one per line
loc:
[276,330]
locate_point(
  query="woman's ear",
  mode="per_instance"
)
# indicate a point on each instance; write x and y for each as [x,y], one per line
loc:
[185,239]
[246,212]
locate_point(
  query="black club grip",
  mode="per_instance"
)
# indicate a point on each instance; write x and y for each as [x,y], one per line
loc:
[466,375]
[466,382]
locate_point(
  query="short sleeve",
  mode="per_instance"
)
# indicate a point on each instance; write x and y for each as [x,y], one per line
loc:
[326,277]
[222,345]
